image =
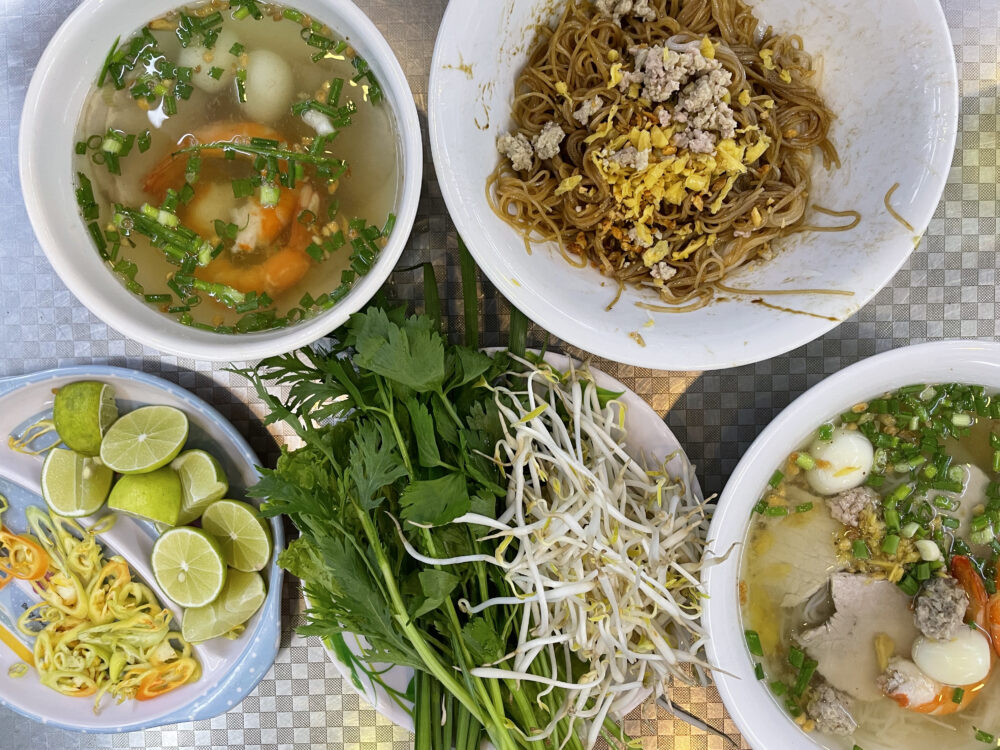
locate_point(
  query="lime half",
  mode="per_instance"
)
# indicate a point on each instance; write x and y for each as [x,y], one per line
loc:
[203,481]
[243,534]
[189,567]
[74,485]
[145,439]
[241,597]
[82,413]
[153,496]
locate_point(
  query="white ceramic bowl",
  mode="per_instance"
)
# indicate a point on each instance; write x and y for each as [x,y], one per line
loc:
[63,77]
[888,71]
[763,723]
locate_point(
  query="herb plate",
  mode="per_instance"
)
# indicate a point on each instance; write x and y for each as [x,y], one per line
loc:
[230,668]
[647,435]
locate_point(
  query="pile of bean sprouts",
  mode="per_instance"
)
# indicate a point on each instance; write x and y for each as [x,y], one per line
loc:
[602,554]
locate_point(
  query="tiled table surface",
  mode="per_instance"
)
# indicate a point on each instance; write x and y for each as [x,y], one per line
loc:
[946,290]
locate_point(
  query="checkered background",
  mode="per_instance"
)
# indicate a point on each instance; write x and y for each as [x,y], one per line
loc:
[947,289]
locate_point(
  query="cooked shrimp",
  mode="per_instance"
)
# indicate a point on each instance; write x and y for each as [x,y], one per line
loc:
[260,226]
[169,173]
[914,690]
[278,271]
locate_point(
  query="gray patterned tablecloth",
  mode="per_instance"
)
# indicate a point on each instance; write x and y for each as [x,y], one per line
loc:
[947,289]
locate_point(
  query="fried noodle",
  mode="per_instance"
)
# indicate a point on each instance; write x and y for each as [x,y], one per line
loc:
[773,100]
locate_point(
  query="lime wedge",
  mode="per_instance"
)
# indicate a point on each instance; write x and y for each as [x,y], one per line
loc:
[243,534]
[145,439]
[82,413]
[241,597]
[188,566]
[202,480]
[74,485]
[154,496]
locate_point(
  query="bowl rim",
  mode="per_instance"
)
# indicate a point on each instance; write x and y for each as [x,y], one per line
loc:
[166,334]
[756,713]
[568,328]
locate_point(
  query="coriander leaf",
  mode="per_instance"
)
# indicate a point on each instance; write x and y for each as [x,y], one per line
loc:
[445,425]
[374,463]
[483,506]
[435,501]
[423,432]
[469,365]
[412,355]
[437,586]
[604,395]
[482,641]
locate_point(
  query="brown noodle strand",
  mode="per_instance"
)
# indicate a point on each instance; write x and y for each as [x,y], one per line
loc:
[760,292]
[892,212]
[618,296]
[773,192]
[855,216]
[793,310]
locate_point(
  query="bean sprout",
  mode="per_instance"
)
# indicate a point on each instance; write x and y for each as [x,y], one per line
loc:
[603,555]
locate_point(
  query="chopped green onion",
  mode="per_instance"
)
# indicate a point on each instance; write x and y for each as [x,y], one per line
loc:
[890,544]
[778,687]
[961,420]
[923,571]
[236,50]
[909,585]
[805,675]
[216,73]
[860,550]
[753,642]
[775,479]
[796,657]
[825,432]
[805,461]
[758,670]
[241,85]
[803,508]
[892,519]
[269,195]
[776,511]
[957,695]
[950,522]
[986,737]
[292,15]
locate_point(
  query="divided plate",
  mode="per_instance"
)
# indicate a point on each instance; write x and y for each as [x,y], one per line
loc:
[230,669]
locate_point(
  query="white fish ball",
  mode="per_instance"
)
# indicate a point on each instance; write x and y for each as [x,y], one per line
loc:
[194,57]
[841,463]
[269,86]
[963,660]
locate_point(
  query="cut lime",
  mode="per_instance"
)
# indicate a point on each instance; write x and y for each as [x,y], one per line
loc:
[145,439]
[202,480]
[154,496]
[74,485]
[189,567]
[82,413]
[240,599]
[243,534]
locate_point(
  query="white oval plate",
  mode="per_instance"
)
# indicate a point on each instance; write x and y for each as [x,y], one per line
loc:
[647,434]
[888,71]
[230,669]
[760,719]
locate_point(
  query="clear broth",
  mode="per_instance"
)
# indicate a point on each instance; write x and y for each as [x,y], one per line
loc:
[368,190]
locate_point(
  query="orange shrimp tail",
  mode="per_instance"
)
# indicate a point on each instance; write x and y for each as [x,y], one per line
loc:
[169,172]
[967,575]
